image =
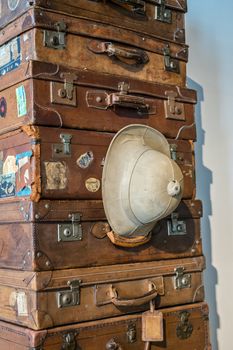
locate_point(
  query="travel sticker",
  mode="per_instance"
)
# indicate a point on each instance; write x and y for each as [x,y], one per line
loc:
[13,4]
[92,184]
[21,101]
[3,107]
[23,175]
[7,185]
[10,56]
[56,178]
[85,160]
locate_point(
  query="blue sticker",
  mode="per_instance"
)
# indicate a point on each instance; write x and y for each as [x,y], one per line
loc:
[21,101]
[7,185]
[10,56]
[23,178]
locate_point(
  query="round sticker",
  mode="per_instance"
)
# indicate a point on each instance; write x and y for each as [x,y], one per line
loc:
[12,4]
[3,107]
[92,184]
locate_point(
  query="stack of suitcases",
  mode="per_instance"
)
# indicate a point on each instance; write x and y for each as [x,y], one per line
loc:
[73,73]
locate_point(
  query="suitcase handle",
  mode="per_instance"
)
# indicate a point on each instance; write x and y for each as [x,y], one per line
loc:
[128,101]
[144,299]
[134,6]
[135,55]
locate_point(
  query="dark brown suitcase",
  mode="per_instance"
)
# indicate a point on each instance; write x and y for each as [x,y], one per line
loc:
[185,327]
[159,18]
[45,94]
[36,236]
[86,45]
[53,163]
[39,300]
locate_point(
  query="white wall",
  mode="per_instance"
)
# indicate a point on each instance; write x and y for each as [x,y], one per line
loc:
[210,71]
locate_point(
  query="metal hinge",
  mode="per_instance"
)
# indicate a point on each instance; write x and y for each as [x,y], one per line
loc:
[69,341]
[171,64]
[132,333]
[162,13]
[182,280]
[63,149]
[173,109]
[56,39]
[71,297]
[64,93]
[70,232]
[176,227]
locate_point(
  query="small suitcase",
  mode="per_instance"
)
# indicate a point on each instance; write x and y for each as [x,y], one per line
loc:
[36,236]
[38,93]
[46,299]
[185,327]
[53,163]
[158,18]
[86,45]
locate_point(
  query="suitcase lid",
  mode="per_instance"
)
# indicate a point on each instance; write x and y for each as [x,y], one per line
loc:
[93,276]
[25,210]
[78,77]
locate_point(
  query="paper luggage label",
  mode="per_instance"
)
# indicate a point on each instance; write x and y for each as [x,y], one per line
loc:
[13,4]
[10,56]
[15,175]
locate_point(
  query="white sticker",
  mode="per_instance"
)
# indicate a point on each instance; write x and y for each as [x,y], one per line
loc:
[9,165]
[92,184]
[22,306]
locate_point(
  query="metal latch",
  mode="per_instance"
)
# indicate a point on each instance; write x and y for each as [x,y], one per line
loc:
[173,151]
[162,13]
[176,227]
[131,333]
[173,109]
[64,93]
[69,341]
[184,329]
[63,149]
[182,280]
[171,64]
[56,39]
[70,232]
[71,297]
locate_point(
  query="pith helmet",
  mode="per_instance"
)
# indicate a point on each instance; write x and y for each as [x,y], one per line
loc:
[141,184]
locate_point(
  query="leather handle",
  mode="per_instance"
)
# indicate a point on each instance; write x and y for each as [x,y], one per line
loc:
[128,101]
[137,56]
[133,6]
[144,299]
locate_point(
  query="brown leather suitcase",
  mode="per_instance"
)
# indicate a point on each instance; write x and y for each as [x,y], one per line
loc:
[53,163]
[41,300]
[159,18]
[36,236]
[44,94]
[185,327]
[82,44]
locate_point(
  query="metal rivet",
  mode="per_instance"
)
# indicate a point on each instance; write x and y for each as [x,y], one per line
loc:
[24,262]
[22,208]
[193,250]
[47,263]
[37,216]
[39,254]
[29,253]
[98,99]
[46,206]
[67,232]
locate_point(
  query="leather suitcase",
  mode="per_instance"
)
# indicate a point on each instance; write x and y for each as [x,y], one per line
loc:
[159,18]
[185,327]
[52,298]
[53,163]
[61,39]
[36,236]
[44,94]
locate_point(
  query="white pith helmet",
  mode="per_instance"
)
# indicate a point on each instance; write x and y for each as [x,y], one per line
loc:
[141,184]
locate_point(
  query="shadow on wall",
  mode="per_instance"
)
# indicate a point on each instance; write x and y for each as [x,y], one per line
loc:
[204,180]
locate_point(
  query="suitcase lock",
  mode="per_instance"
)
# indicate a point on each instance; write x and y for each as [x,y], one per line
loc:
[184,329]
[69,342]
[56,39]
[182,280]
[176,227]
[70,297]
[170,64]
[70,232]
[62,149]
[173,109]
[162,13]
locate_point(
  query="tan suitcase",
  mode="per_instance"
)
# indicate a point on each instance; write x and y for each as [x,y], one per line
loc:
[53,163]
[39,300]
[86,45]
[185,327]
[36,236]
[103,102]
